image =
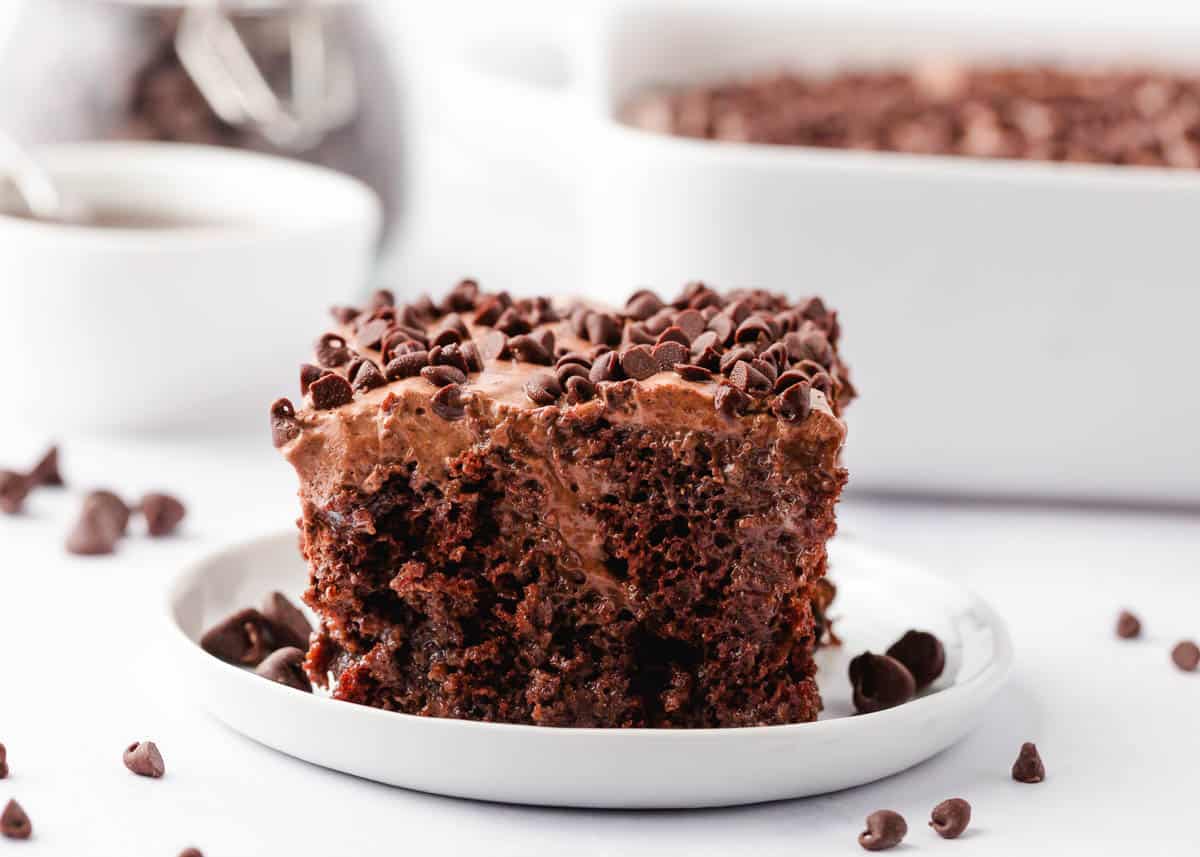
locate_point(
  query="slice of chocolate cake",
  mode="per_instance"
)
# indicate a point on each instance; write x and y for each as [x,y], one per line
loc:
[539,512]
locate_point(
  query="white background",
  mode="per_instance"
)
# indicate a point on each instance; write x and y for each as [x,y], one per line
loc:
[1116,723]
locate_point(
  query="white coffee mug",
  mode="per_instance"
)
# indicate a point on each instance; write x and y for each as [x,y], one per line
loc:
[1014,328]
[196,317]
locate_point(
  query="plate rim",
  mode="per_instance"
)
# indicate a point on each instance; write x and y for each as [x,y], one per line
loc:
[985,682]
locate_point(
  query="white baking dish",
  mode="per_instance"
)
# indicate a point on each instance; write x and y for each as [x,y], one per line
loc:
[1014,328]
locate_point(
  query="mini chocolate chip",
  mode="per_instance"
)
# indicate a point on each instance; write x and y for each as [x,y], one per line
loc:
[788,378]
[738,311]
[709,358]
[570,370]
[286,666]
[449,403]
[288,622]
[370,335]
[691,372]
[642,304]
[284,427]
[814,345]
[578,320]
[407,365]
[367,377]
[344,314]
[778,356]
[489,311]
[749,380]
[880,682]
[191,852]
[329,392]
[730,401]
[638,362]
[659,322]
[794,403]
[46,473]
[14,823]
[950,818]
[636,334]
[669,354]
[331,351]
[163,513]
[308,374]
[580,389]
[674,334]
[14,488]
[1186,656]
[402,332]
[425,307]
[766,368]
[543,388]
[494,345]
[704,299]
[512,323]
[449,355]
[381,298]
[574,357]
[691,322]
[447,336]
[244,638]
[463,296]
[470,352]
[143,758]
[440,376]
[722,327]
[885,829]
[752,329]
[546,338]
[111,507]
[1128,626]
[3,762]
[705,340]
[1028,768]
[735,355]
[530,350]
[606,367]
[922,653]
[603,329]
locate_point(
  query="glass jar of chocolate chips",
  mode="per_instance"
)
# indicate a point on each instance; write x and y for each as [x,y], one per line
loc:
[307,79]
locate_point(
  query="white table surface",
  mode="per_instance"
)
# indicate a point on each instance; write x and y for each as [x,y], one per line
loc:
[84,675]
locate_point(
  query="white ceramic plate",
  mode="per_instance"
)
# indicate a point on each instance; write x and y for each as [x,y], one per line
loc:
[878,599]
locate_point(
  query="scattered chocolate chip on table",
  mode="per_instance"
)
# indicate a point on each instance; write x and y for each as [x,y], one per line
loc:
[1028,768]
[3,762]
[1186,656]
[885,829]
[950,818]
[14,823]
[163,513]
[1128,626]
[144,759]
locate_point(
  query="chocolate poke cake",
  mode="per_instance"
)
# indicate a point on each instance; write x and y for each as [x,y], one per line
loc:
[544,512]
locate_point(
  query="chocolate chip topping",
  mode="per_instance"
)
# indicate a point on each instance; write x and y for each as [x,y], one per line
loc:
[691,372]
[1128,626]
[449,403]
[950,818]
[289,625]
[642,304]
[329,392]
[885,829]
[730,401]
[440,376]
[1186,656]
[14,823]
[308,374]
[794,402]
[1028,768]
[14,488]
[749,380]
[530,350]
[163,513]
[922,653]
[638,362]
[286,666]
[367,377]
[331,351]
[667,355]
[543,389]
[45,474]
[602,328]
[284,427]
[245,638]
[580,389]
[607,367]
[407,365]
[143,758]
[880,682]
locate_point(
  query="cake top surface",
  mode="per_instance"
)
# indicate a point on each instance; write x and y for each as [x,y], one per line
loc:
[744,353]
